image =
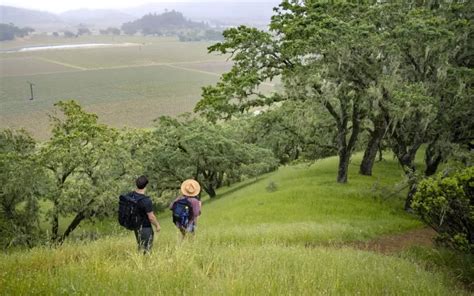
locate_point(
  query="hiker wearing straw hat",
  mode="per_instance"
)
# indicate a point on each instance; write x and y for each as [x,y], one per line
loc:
[187,207]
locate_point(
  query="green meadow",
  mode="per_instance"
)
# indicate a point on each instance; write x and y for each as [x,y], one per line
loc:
[292,237]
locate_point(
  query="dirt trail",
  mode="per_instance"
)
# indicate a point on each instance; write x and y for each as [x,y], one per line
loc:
[395,243]
[390,244]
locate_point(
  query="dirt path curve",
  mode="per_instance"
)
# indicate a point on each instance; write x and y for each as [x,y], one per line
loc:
[388,244]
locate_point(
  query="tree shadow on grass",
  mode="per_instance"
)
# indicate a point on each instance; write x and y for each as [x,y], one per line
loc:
[233,189]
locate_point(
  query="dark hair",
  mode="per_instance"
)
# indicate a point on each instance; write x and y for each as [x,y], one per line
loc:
[141,182]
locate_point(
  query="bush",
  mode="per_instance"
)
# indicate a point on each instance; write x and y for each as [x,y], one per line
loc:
[22,182]
[271,187]
[9,32]
[447,205]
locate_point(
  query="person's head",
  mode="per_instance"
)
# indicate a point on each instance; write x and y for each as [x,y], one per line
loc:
[190,188]
[141,182]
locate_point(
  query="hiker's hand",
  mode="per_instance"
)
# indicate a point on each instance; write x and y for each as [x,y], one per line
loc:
[158,228]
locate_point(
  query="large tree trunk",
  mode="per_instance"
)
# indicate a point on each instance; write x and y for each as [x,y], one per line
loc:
[55,219]
[406,158]
[369,158]
[77,220]
[432,166]
[209,183]
[410,195]
[343,168]
[219,179]
[342,119]
[407,162]
[432,159]
[380,152]
[404,152]
[345,152]
[210,190]
[55,226]
[372,147]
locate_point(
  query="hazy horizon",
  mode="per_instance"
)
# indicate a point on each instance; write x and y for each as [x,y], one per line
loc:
[58,6]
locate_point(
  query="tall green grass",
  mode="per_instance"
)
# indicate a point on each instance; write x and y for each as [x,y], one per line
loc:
[112,267]
[250,241]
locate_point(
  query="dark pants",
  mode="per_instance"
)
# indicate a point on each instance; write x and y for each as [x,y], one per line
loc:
[144,238]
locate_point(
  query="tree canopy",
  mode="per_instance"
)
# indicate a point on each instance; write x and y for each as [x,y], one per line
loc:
[210,154]
[23,181]
[87,167]
[391,69]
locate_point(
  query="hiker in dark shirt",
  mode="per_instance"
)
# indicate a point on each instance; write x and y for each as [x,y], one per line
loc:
[144,234]
[186,220]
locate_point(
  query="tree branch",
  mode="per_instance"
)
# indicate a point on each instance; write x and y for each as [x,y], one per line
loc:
[333,112]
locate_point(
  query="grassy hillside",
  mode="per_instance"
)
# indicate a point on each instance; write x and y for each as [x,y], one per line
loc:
[308,207]
[250,241]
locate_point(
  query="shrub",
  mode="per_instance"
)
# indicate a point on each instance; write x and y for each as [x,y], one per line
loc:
[447,205]
[271,187]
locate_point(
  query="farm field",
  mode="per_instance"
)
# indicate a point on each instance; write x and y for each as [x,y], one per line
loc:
[126,86]
[295,240]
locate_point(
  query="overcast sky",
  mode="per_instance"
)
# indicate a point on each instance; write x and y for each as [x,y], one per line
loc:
[63,5]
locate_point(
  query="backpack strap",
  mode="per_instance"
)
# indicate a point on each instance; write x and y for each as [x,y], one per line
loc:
[132,195]
[175,201]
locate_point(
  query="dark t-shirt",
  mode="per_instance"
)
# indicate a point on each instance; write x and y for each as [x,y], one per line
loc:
[145,206]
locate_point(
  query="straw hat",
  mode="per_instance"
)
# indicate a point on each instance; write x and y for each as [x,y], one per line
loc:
[190,187]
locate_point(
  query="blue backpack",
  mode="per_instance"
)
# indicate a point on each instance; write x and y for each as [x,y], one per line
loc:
[182,212]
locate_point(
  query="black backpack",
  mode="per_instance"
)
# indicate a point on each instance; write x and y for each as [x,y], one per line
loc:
[128,214]
[182,212]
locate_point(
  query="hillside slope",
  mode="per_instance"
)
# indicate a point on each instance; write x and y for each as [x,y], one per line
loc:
[307,207]
[250,241]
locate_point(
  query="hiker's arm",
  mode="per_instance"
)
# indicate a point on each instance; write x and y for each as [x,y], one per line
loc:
[196,210]
[152,218]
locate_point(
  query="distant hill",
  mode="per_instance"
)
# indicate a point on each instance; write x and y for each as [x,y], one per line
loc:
[161,24]
[45,21]
[214,13]
[256,13]
[28,17]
